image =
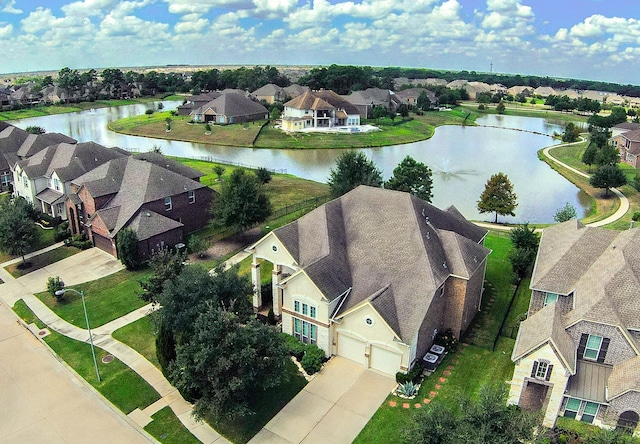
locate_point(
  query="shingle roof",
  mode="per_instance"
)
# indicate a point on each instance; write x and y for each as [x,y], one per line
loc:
[379,243]
[295,90]
[270,89]
[232,105]
[67,161]
[546,326]
[633,136]
[624,377]
[375,96]
[169,164]
[148,223]
[132,183]
[308,100]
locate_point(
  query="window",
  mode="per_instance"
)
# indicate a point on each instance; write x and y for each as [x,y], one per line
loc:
[56,184]
[192,196]
[550,298]
[572,408]
[312,312]
[296,306]
[590,411]
[25,181]
[5,179]
[593,347]
[541,370]
[167,203]
[305,331]
[305,309]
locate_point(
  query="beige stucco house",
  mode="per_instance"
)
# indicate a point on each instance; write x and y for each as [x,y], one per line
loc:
[578,352]
[374,275]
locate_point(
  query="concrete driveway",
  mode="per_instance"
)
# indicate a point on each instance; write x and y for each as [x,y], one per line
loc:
[334,407]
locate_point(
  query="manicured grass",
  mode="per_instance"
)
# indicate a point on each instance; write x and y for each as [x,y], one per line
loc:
[140,336]
[25,313]
[40,111]
[120,385]
[262,134]
[475,368]
[498,287]
[107,299]
[167,428]
[40,261]
[241,134]
[266,404]
[518,310]
[266,268]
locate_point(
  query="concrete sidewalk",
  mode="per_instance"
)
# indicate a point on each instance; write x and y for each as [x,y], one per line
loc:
[87,266]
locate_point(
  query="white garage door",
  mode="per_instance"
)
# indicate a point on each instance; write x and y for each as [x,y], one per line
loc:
[351,348]
[384,360]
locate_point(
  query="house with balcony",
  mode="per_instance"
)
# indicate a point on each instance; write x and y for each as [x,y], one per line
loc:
[578,352]
[161,205]
[319,109]
[373,276]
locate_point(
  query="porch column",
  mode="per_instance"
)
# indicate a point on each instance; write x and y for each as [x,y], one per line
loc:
[255,280]
[276,274]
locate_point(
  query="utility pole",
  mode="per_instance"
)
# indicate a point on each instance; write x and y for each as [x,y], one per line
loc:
[491,68]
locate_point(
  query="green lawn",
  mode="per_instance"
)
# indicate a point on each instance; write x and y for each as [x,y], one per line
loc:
[120,385]
[498,287]
[40,261]
[140,336]
[25,313]
[266,404]
[475,368]
[518,310]
[167,428]
[107,299]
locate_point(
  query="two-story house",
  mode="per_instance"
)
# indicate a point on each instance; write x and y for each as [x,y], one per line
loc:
[578,352]
[44,179]
[373,276]
[319,109]
[628,144]
[160,205]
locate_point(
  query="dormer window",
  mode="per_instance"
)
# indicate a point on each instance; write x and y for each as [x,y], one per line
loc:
[550,298]
[541,369]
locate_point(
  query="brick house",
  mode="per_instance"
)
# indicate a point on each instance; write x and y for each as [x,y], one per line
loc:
[628,144]
[319,109]
[160,205]
[373,276]
[578,352]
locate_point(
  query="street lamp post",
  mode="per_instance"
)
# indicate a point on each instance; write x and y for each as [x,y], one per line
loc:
[61,292]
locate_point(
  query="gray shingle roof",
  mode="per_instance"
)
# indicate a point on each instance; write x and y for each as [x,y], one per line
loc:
[270,89]
[624,377]
[232,105]
[170,164]
[378,243]
[546,326]
[131,183]
[147,224]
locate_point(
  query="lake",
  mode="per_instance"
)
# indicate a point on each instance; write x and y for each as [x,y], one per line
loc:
[461,158]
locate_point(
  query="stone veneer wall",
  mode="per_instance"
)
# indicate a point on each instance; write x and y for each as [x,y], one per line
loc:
[628,401]
[619,349]
[537,302]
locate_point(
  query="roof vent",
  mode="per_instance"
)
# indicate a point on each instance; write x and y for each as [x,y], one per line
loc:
[148,214]
[428,235]
[423,215]
[475,259]
[444,265]
[613,247]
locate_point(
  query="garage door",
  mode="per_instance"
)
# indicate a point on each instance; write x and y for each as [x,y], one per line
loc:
[385,360]
[351,348]
[102,242]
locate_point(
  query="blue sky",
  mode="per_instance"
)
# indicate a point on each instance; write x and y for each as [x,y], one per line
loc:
[586,39]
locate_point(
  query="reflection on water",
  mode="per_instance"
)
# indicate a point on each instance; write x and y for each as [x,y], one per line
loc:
[462,158]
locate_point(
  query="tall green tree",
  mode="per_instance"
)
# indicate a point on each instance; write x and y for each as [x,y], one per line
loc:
[498,197]
[412,177]
[18,232]
[571,133]
[525,242]
[352,169]
[226,362]
[127,247]
[242,201]
[589,155]
[166,265]
[608,155]
[607,177]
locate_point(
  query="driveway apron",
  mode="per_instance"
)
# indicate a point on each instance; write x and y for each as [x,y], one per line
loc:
[333,407]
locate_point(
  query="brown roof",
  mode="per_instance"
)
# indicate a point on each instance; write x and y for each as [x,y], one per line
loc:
[389,247]
[232,105]
[308,100]
[624,377]
[546,326]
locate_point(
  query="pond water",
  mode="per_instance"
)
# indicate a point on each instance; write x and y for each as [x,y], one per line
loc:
[462,158]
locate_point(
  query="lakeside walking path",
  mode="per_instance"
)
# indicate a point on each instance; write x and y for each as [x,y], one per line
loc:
[618,214]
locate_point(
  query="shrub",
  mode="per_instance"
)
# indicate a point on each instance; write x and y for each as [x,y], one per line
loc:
[294,347]
[447,339]
[149,112]
[636,216]
[264,175]
[271,317]
[312,360]
[53,285]
[413,375]
[408,389]
[165,348]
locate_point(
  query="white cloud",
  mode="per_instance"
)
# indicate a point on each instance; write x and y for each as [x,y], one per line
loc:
[6,30]
[191,23]
[87,8]
[10,7]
